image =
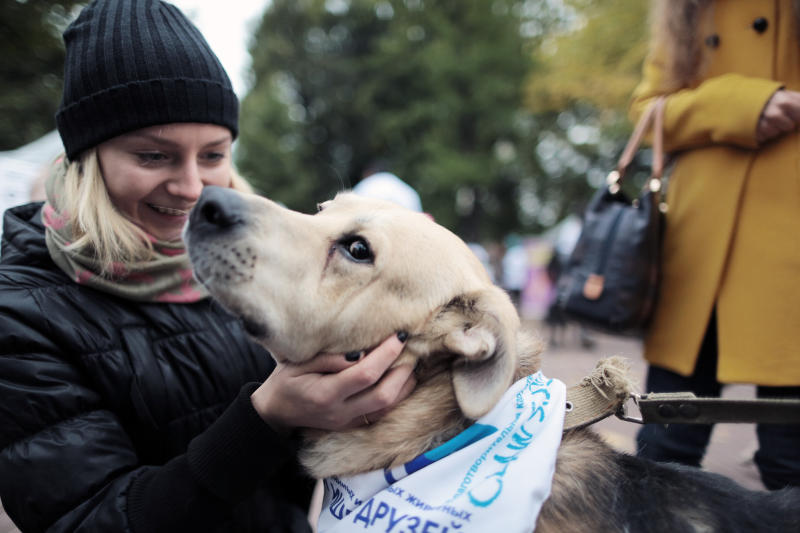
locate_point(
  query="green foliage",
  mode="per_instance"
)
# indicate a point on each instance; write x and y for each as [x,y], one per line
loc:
[31,67]
[595,60]
[434,88]
[586,70]
[502,113]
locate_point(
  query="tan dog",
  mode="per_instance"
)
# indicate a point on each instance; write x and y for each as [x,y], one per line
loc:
[359,270]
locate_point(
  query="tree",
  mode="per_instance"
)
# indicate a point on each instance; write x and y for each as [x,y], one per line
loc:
[585,73]
[31,67]
[435,88]
[596,59]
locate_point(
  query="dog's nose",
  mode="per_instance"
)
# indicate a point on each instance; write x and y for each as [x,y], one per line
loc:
[217,209]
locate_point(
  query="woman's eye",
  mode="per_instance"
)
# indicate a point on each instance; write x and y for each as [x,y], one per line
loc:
[151,157]
[357,249]
[215,156]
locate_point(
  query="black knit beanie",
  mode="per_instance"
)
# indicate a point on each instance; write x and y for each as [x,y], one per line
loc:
[137,63]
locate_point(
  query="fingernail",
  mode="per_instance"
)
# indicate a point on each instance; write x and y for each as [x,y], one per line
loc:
[402,336]
[353,356]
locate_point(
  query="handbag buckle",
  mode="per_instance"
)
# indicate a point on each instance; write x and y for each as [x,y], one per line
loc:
[593,287]
[612,180]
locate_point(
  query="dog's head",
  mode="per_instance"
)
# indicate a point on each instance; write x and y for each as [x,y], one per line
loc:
[349,276]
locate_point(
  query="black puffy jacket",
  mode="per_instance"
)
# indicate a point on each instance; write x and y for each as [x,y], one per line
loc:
[125,416]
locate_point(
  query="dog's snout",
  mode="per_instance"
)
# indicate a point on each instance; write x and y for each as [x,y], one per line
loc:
[217,209]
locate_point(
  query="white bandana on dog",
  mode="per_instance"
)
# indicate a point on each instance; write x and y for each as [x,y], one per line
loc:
[495,474]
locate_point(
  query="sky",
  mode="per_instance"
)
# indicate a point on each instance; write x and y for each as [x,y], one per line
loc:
[227,26]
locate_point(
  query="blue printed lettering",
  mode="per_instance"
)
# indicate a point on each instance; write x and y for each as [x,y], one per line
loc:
[337,506]
[487,500]
[429,524]
[540,411]
[542,391]
[395,490]
[482,495]
[393,521]
[380,512]
[363,514]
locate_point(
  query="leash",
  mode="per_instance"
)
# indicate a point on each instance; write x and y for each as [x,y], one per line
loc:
[686,408]
[607,391]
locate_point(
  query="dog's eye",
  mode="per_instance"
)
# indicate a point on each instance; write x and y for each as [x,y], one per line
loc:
[357,249]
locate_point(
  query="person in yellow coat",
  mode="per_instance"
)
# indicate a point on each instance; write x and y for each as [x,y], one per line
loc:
[729,302]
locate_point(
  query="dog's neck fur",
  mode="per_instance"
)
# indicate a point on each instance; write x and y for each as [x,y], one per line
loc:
[427,418]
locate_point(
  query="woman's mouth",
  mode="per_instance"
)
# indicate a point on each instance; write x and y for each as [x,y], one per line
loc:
[170,211]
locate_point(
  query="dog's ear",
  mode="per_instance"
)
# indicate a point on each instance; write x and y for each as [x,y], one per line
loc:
[485,340]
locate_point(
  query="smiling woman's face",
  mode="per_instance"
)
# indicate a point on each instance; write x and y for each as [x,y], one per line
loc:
[155,175]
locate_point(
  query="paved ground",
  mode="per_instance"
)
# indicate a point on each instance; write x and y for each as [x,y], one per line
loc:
[732,445]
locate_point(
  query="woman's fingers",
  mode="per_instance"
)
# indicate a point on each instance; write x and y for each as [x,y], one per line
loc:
[792,105]
[370,405]
[771,127]
[324,363]
[329,363]
[781,115]
[331,392]
[370,368]
[405,390]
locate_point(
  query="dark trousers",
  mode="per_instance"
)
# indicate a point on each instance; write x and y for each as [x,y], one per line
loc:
[778,455]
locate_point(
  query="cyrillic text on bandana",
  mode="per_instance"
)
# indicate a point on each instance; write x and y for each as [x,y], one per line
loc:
[497,473]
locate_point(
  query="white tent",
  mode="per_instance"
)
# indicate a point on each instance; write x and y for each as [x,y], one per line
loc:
[387,186]
[19,168]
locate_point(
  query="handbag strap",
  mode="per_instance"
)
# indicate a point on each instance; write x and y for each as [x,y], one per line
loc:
[653,115]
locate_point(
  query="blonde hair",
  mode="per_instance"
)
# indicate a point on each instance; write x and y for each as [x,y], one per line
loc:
[97,225]
[677,28]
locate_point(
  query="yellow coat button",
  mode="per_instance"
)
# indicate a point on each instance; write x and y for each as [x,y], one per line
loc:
[760,24]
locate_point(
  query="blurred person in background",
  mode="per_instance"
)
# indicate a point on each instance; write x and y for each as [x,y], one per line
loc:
[728,308]
[130,401]
[383,185]
[516,269]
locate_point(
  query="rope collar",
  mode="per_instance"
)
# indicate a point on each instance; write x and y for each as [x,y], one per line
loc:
[600,394]
[606,390]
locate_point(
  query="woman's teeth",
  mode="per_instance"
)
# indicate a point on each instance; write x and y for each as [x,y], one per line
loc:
[169,210]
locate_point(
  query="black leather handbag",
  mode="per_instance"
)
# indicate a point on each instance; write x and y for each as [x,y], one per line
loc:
[610,281]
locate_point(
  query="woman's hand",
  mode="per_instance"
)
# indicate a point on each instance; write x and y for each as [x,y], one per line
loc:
[330,392]
[781,115]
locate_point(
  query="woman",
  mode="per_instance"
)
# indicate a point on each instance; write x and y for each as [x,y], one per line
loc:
[130,401]
[728,308]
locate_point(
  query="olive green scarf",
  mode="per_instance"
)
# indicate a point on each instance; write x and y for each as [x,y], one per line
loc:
[165,277]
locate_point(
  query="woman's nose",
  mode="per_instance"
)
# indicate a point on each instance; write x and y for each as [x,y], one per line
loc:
[187,181]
